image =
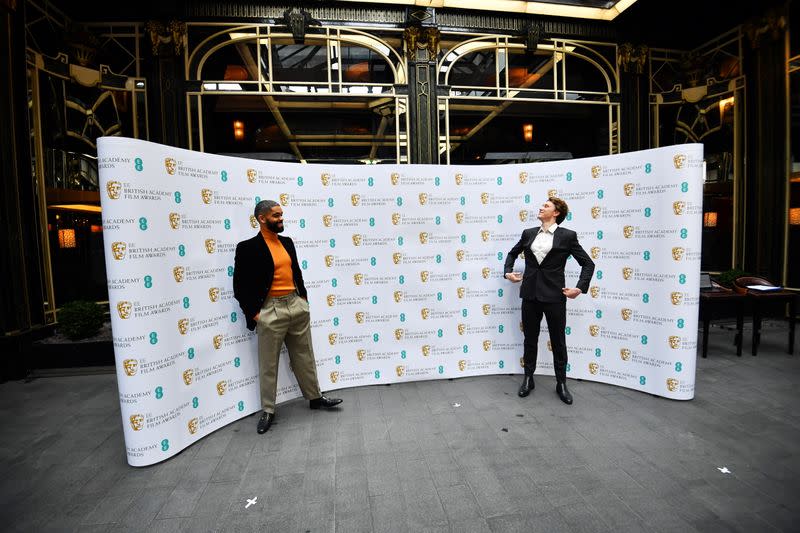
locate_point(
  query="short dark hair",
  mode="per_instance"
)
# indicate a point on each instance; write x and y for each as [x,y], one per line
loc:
[264,206]
[561,207]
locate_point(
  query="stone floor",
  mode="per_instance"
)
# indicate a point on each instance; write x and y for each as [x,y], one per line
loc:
[403,458]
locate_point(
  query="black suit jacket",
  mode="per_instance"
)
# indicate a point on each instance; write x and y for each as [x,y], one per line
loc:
[253,271]
[543,282]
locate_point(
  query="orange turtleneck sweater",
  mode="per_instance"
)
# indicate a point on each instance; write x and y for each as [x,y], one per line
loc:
[283,281]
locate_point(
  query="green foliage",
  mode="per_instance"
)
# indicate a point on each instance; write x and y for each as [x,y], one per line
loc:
[726,278]
[80,319]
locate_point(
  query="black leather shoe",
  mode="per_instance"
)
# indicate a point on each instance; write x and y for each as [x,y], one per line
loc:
[265,422]
[563,393]
[324,401]
[527,385]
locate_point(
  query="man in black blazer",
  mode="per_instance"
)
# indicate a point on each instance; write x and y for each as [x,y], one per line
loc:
[544,290]
[268,284]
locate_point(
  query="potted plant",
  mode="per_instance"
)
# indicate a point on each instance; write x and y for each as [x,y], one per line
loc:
[727,278]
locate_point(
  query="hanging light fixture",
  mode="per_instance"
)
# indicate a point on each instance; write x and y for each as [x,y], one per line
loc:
[238,130]
[794,216]
[66,238]
[710,219]
[527,132]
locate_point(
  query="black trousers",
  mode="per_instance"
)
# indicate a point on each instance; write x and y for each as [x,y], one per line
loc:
[556,316]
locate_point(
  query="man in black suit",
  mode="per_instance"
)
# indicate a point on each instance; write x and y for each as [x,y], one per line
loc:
[544,291]
[268,283]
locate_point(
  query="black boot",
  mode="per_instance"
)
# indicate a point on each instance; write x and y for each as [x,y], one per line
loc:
[563,393]
[527,385]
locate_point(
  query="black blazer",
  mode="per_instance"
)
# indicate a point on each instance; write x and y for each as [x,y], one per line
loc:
[253,271]
[543,282]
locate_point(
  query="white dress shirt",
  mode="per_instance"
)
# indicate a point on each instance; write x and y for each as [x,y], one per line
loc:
[543,242]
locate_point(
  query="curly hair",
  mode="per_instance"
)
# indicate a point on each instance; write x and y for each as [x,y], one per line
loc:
[561,207]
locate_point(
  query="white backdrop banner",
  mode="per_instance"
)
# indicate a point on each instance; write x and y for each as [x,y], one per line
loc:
[404,270]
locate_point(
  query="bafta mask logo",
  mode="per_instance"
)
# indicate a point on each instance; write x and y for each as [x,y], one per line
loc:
[462,364]
[357,239]
[484,198]
[594,368]
[114,189]
[627,314]
[672,384]
[487,309]
[676,298]
[461,292]
[426,350]
[594,330]
[459,178]
[334,376]
[328,261]
[137,422]
[627,273]
[118,250]
[217,341]
[395,177]
[486,272]
[398,333]
[253,221]
[596,169]
[397,257]
[594,290]
[674,342]
[192,425]
[251,175]
[183,325]
[549,346]
[426,313]
[487,345]
[207,195]
[355,199]
[395,219]
[462,328]
[188,376]
[627,231]
[130,366]
[596,211]
[423,237]
[485,235]
[361,354]
[327,220]
[178,273]
[678,160]
[332,338]
[400,370]
[523,215]
[552,193]
[523,177]
[124,309]
[213,294]
[628,189]
[358,278]
[211,246]
[174,220]
[460,255]
[678,206]
[283,198]
[170,165]
[677,253]
[424,276]
[522,362]
[459,217]
[325,177]
[595,251]
[398,296]
[423,198]
[360,317]
[625,354]
[222,386]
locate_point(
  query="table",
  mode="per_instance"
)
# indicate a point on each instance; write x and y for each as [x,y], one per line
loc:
[719,304]
[763,299]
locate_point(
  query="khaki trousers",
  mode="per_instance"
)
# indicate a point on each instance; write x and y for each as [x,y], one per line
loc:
[285,319]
